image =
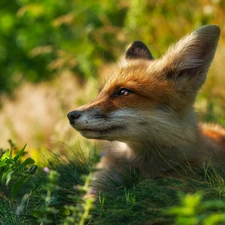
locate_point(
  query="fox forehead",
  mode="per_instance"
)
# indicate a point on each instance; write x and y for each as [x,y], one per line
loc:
[135,74]
[143,79]
[139,76]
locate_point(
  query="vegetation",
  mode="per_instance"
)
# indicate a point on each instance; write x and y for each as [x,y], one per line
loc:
[43,41]
[41,38]
[59,194]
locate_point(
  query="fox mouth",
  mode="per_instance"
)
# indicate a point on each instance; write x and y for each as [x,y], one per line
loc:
[98,133]
[106,130]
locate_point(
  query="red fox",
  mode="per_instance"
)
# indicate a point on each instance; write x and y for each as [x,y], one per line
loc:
[146,110]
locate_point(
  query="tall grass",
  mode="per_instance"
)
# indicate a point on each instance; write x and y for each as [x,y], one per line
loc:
[61,195]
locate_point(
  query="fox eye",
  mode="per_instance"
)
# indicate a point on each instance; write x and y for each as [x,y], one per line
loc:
[124,92]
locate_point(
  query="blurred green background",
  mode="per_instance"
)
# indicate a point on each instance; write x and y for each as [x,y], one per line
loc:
[41,39]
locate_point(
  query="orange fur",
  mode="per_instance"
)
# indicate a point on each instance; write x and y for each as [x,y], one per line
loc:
[146,110]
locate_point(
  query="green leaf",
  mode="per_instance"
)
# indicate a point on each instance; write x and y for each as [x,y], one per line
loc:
[17,186]
[33,169]
[9,177]
[5,173]
[19,154]
[27,162]
[3,162]
[6,155]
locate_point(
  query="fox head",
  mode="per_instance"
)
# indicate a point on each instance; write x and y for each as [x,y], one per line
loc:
[146,98]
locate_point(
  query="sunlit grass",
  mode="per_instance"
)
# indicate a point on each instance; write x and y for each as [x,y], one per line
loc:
[61,190]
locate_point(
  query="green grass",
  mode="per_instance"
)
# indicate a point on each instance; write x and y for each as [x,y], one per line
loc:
[58,197]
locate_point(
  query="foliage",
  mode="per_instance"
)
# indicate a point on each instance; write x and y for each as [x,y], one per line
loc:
[45,198]
[39,39]
[194,211]
[13,167]
[81,212]
[65,198]
[42,37]
[46,213]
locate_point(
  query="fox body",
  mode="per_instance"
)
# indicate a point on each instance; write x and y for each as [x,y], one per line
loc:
[146,110]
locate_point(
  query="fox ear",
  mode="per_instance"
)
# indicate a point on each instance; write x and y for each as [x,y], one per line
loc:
[138,50]
[188,61]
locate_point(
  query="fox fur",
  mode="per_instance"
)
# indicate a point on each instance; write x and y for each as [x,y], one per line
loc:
[146,111]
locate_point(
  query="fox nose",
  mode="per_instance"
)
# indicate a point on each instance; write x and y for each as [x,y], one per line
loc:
[73,115]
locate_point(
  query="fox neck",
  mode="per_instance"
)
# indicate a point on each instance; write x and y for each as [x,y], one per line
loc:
[166,151]
[160,150]
[155,160]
